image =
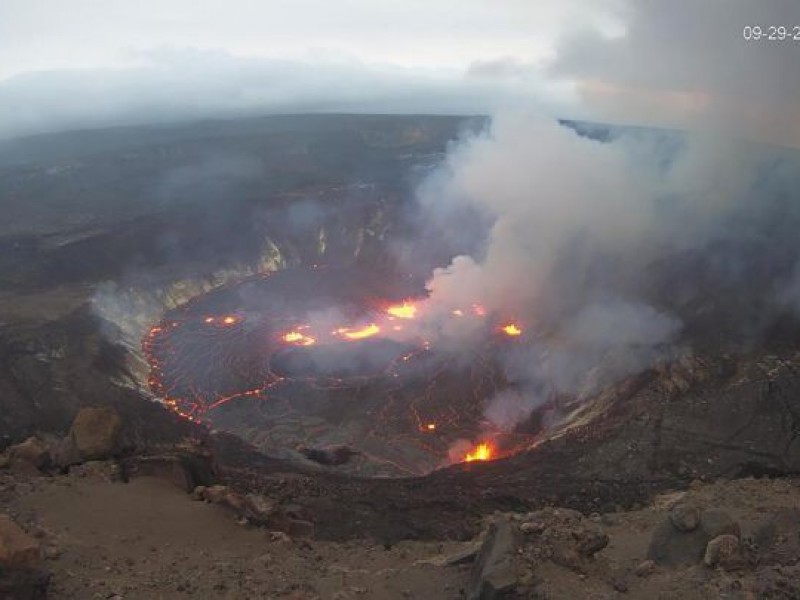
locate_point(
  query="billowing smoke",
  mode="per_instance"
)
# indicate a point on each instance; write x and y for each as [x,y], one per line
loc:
[611,253]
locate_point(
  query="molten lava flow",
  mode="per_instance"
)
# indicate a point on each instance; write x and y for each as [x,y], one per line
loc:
[299,339]
[288,360]
[402,311]
[482,451]
[359,334]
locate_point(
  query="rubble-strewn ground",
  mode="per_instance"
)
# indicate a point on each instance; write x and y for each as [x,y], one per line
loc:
[149,539]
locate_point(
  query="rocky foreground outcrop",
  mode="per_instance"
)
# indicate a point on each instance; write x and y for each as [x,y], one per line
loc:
[22,576]
[733,539]
[727,540]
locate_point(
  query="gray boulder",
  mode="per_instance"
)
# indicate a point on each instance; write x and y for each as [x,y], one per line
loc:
[670,546]
[495,573]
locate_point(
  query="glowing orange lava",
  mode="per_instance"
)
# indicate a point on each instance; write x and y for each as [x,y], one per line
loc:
[230,320]
[512,330]
[402,311]
[299,339]
[431,427]
[359,334]
[482,451]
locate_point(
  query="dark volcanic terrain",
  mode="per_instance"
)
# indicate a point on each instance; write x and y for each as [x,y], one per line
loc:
[141,227]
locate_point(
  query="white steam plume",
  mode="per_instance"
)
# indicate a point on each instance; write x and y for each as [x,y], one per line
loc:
[584,236]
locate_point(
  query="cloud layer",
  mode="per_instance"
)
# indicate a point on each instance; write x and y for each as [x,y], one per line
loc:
[180,85]
[687,63]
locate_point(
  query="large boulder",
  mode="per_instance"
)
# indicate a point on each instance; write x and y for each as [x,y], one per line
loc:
[63,453]
[495,573]
[590,541]
[32,451]
[671,546]
[18,550]
[21,574]
[95,432]
[685,516]
[723,551]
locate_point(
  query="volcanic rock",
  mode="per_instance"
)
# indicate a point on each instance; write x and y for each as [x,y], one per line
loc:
[181,471]
[460,557]
[723,551]
[644,568]
[532,527]
[18,550]
[778,582]
[96,469]
[32,451]
[216,493]
[567,557]
[495,572]
[300,529]
[63,452]
[672,547]
[21,575]
[618,582]
[332,457]
[235,502]
[95,432]
[590,541]
[785,522]
[24,584]
[685,516]
[252,508]
[715,522]
[279,536]
[259,509]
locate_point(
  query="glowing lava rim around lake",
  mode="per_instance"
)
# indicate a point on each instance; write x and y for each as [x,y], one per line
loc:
[324,344]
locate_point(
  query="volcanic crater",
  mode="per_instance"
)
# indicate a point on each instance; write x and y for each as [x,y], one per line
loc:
[197,288]
[310,359]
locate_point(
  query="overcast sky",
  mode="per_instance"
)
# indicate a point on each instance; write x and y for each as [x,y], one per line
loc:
[66,63]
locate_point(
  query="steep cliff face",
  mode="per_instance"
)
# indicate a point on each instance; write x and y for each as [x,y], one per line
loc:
[130,310]
[53,366]
[704,416]
[341,234]
[100,323]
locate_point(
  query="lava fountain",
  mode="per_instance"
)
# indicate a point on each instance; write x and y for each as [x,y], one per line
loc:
[481,452]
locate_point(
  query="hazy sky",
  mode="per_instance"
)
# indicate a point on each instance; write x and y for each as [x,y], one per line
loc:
[70,63]
[47,34]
